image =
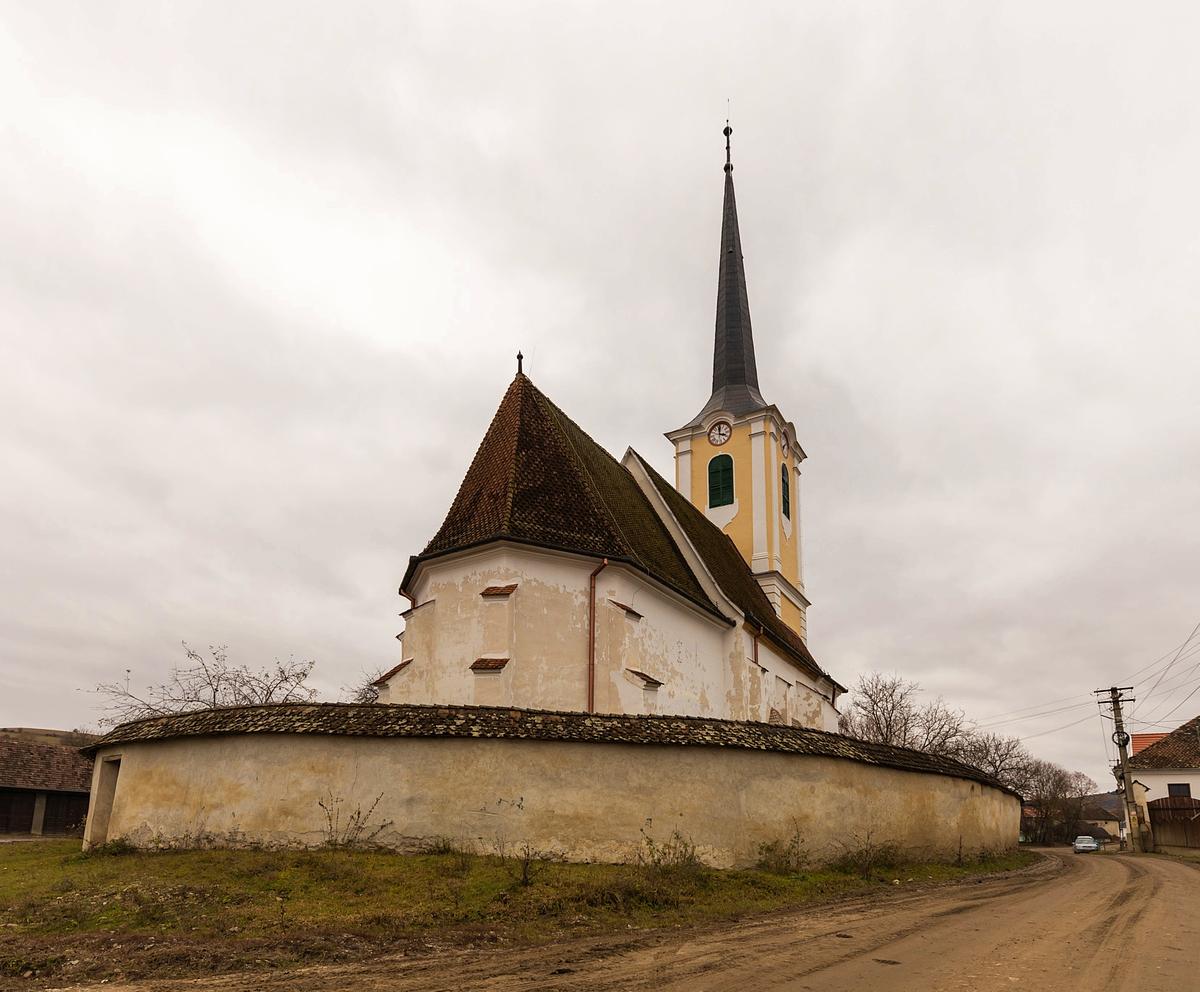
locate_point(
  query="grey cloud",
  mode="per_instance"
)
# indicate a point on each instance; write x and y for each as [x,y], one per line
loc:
[263,270]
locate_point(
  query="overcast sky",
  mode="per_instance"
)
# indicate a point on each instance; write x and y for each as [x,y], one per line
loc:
[264,267]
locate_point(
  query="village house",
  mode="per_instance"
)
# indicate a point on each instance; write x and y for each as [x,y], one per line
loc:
[1167,786]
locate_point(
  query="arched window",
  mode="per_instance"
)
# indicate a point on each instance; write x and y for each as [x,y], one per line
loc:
[720,481]
[786,489]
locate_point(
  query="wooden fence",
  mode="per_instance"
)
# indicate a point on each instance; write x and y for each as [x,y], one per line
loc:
[1175,821]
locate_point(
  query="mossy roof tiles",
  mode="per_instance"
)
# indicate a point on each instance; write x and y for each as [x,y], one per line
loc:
[1179,749]
[375,720]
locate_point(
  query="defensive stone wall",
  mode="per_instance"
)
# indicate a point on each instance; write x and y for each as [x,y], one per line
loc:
[579,786]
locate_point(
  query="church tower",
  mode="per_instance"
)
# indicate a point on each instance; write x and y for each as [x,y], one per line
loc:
[738,459]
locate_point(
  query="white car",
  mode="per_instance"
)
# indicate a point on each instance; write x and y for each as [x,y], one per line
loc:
[1084,844]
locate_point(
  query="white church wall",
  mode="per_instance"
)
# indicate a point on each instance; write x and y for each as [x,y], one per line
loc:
[799,699]
[539,634]
[541,628]
[640,628]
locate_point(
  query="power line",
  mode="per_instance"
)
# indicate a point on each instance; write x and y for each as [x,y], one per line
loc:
[1055,730]
[1153,663]
[1181,702]
[1195,630]
[986,724]
[995,719]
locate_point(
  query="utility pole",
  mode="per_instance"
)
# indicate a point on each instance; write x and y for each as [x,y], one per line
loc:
[1121,739]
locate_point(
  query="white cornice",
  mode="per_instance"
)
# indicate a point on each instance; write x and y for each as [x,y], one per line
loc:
[795,595]
[770,411]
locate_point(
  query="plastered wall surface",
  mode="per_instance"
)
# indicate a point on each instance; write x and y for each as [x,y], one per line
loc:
[580,801]
[705,666]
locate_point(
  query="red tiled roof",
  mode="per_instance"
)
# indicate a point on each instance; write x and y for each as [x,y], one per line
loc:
[25,765]
[488,664]
[392,671]
[1179,749]
[499,590]
[1143,741]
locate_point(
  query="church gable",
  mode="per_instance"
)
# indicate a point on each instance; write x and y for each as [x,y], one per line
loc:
[539,479]
[524,485]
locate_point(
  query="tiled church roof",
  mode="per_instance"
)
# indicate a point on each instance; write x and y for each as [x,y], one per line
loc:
[538,479]
[1179,749]
[358,720]
[731,573]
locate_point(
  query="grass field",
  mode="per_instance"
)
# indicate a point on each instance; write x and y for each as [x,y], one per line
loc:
[69,916]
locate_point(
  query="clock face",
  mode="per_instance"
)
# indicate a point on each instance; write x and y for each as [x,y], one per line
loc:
[719,433]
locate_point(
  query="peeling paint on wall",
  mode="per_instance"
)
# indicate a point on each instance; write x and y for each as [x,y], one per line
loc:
[580,801]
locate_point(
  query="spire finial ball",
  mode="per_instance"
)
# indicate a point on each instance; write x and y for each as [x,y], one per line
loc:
[520,359]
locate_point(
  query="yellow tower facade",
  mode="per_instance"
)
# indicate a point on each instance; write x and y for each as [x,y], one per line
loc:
[738,460]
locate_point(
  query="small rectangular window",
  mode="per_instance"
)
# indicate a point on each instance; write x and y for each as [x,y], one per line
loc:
[1182,790]
[786,487]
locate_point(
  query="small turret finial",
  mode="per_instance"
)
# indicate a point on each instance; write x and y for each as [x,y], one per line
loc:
[728,155]
[520,359]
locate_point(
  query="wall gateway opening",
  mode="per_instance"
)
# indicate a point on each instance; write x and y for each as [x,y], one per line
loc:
[102,807]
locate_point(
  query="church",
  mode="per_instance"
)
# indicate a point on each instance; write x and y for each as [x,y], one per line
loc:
[592,655]
[564,579]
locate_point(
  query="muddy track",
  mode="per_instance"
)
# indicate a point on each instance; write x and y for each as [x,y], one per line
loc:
[1090,923]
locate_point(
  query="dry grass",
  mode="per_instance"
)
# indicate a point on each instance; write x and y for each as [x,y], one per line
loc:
[134,914]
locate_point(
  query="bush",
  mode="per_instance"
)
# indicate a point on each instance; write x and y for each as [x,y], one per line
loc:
[111,849]
[784,857]
[863,855]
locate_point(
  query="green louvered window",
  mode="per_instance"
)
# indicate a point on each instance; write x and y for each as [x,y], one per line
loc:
[720,481]
[786,489]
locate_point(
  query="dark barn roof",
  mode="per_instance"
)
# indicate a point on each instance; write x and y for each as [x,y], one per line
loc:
[43,767]
[504,723]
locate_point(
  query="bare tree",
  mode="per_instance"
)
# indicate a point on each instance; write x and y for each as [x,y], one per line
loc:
[1003,758]
[366,689]
[1057,796]
[884,709]
[204,682]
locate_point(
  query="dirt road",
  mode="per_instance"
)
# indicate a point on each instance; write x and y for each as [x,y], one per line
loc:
[1087,923]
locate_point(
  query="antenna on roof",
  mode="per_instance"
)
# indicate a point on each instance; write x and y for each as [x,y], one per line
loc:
[520,359]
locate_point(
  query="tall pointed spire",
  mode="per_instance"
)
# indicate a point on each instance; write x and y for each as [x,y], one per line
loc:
[735,374]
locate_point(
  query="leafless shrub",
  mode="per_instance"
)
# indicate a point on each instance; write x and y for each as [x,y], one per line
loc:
[863,854]
[350,829]
[786,856]
[524,863]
